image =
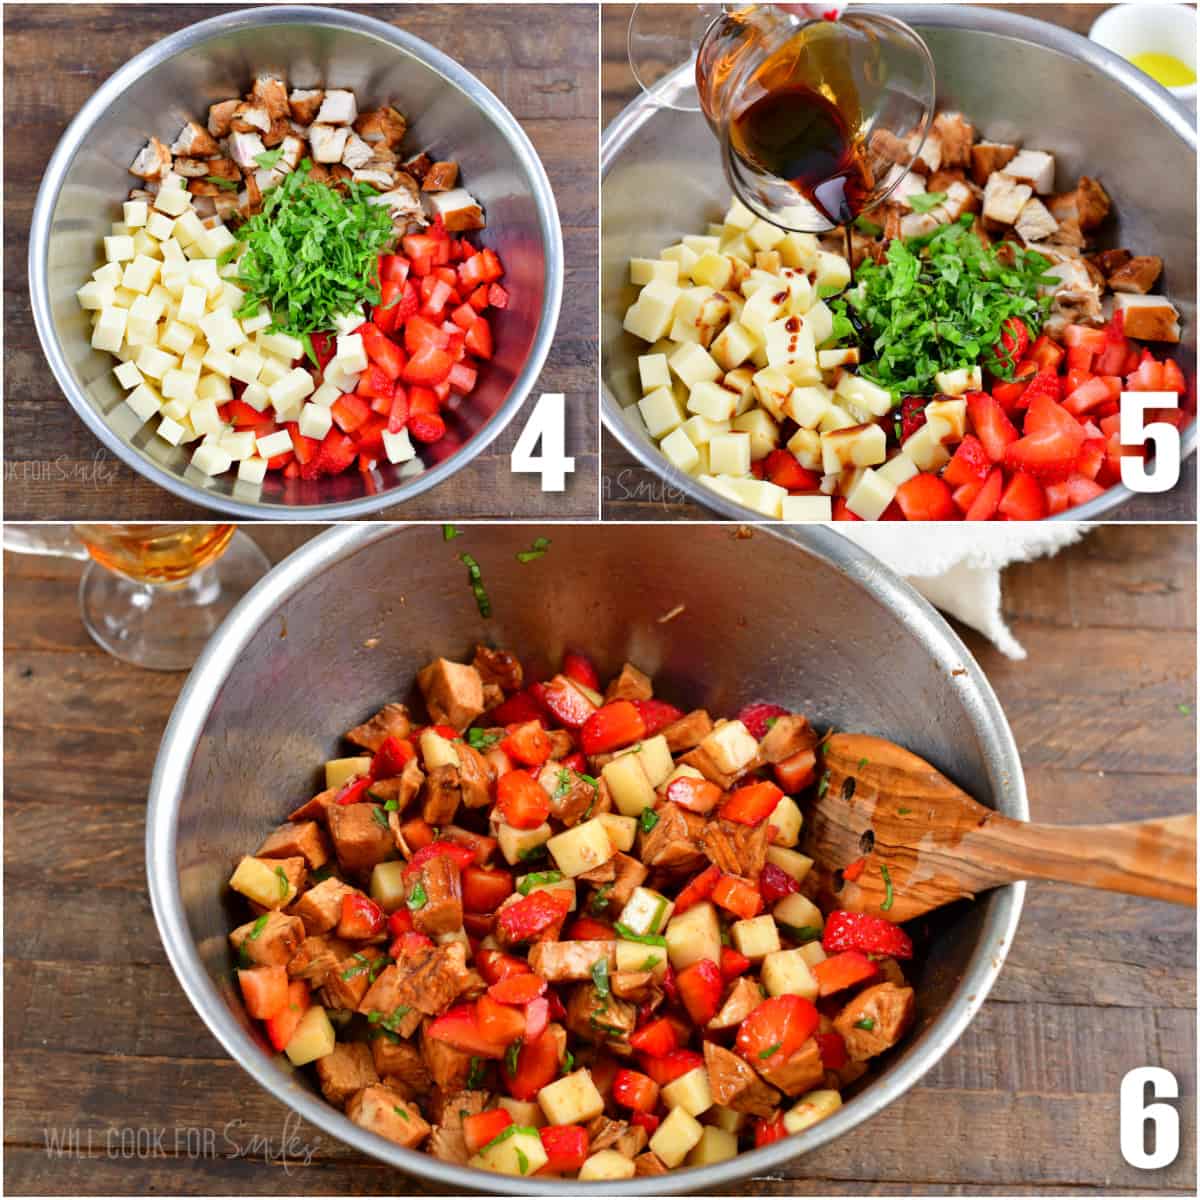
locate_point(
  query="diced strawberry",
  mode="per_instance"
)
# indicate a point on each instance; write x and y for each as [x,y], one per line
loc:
[655,1039]
[525,920]
[361,918]
[925,497]
[417,833]
[797,771]
[738,896]
[844,970]
[495,965]
[400,922]
[776,1029]
[1013,343]
[464,856]
[485,889]
[612,727]
[497,296]
[648,1121]
[991,424]
[480,1128]
[353,791]
[590,929]
[527,743]
[700,986]
[970,463]
[516,709]
[1046,353]
[698,889]
[391,758]
[668,1067]
[566,703]
[696,795]
[459,1027]
[733,963]
[760,716]
[985,504]
[566,1147]
[912,416]
[479,339]
[350,411]
[521,801]
[499,1023]
[783,470]
[768,1131]
[833,1050]
[751,804]
[774,883]
[517,989]
[283,1024]
[633,1090]
[580,668]
[656,715]
[862,931]
[265,991]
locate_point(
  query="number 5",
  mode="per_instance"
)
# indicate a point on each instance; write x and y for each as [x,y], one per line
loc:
[1164,437]
[547,424]
[1136,1113]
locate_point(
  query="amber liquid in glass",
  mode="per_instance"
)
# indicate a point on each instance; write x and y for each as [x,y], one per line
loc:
[155,553]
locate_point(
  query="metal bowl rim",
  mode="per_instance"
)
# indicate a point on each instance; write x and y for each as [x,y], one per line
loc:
[94,109]
[186,726]
[1171,112]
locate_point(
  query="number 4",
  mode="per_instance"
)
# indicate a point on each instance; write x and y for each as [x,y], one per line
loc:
[1164,437]
[547,424]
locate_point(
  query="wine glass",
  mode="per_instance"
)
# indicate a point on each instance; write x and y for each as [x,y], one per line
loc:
[871,67]
[151,595]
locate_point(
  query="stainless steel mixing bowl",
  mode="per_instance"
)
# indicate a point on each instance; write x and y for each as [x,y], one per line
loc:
[1019,80]
[811,622]
[176,79]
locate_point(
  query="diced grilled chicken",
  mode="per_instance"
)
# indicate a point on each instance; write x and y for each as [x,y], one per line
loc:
[930,158]
[688,732]
[1148,318]
[572,961]
[271,94]
[1076,298]
[1093,203]
[217,168]
[1034,167]
[446,1141]
[1138,275]
[220,117]
[441,177]
[385,126]
[391,720]
[459,210]
[327,142]
[956,135]
[1108,261]
[989,157]
[304,104]
[1036,223]
[735,1084]
[190,168]
[152,162]
[356,153]
[338,108]
[1004,197]
[244,148]
[250,118]
[195,142]
[799,1073]
[875,1020]
[744,997]
[377,177]
[347,1069]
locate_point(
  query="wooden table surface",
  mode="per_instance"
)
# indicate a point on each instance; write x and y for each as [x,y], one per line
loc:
[99,1038]
[540,61]
[630,491]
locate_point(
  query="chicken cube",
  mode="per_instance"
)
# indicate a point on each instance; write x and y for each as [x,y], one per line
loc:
[271,94]
[320,908]
[453,692]
[304,839]
[328,142]
[220,117]
[1004,197]
[304,104]
[347,1070]
[338,108]
[382,126]
[195,142]
[875,1020]
[957,135]
[1035,222]
[1148,318]
[361,835]
[383,1111]
[1034,167]
[152,162]
[1138,275]
[459,210]
[268,941]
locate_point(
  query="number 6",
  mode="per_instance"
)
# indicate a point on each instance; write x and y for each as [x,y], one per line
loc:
[1136,1113]
[1165,438]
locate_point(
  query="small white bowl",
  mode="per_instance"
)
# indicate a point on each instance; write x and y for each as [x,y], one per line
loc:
[1132,29]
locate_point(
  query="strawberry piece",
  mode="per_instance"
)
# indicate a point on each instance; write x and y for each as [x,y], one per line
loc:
[566,1147]
[354,791]
[498,1023]
[591,929]
[1046,353]
[485,889]
[766,1132]
[696,795]
[759,717]
[1013,343]
[775,1030]
[854,870]
[1023,499]
[527,743]
[784,470]
[283,1024]
[991,424]
[632,1089]
[797,771]
[521,800]
[698,889]
[462,855]
[844,970]
[668,1067]
[525,920]
[400,922]
[985,504]
[495,965]
[912,416]
[700,986]
[738,896]
[833,1050]
[537,1017]
[733,963]
[862,931]
[391,758]
[774,883]
[612,727]
[648,1121]
[265,991]
[925,497]
[480,1128]
[361,918]
[655,1039]
[656,715]
[537,1065]
[970,463]
[566,703]
[518,989]
[520,707]
[459,1027]
[752,804]
[579,667]
[408,943]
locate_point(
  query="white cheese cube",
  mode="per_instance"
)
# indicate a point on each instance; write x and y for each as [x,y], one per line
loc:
[274,369]
[845,356]
[693,364]
[271,444]
[810,1108]
[204,416]
[188,228]
[174,201]
[178,385]
[653,372]
[238,444]
[925,447]
[731,747]
[221,362]
[155,363]
[787,819]
[315,421]
[805,444]
[128,376]
[800,251]
[958,383]
[650,315]
[862,396]
[215,241]
[177,337]
[135,213]
[221,329]
[785,972]
[215,388]
[255,395]
[647,270]
[252,470]
[713,270]
[756,937]
[661,412]
[685,257]
[247,364]
[701,430]
[710,400]
[690,1092]
[631,790]
[192,304]
[259,321]
[581,848]
[397,446]
[773,389]
[144,401]
[571,1100]
[789,340]
[871,495]
[293,388]
[161,227]
[118,248]
[680,451]
[733,346]
[109,275]
[762,235]
[759,311]
[729,454]
[210,459]
[351,355]
[171,431]
[646,911]
[141,273]
[807,406]
[800,510]
[96,296]
[674,1139]
[953,413]
[759,494]
[898,470]
[852,446]
[762,430]
[833,273]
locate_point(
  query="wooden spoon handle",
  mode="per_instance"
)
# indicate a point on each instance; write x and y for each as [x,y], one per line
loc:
[1142,858]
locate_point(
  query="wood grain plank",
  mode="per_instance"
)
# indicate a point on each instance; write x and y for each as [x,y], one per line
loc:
[540,60]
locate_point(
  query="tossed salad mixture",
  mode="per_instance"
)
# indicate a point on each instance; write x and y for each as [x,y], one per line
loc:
[563,929]
[972,368]
[286,292]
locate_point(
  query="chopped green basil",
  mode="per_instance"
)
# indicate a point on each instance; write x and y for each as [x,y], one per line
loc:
[477,1072]
[539,548]
[867,1023]
[512,1057]
[599,901]
[392,805]
[284,883]
[646,939]
[568,1063]
[380,817]
[903,811]
[651,961]
[563,785]
[478,740]
[648,819]
[600,977]
[799,933]
[450,532]
[923,202]
[417,898]
[823,786]
[475,577]
[258,927]
[400,1112]
[862,762]
[268,158]
[890,896]
[507,1132]
[362,963]
[522,1161]
[867,226]
[532,852]
[538,879]
[226,185]
[770,1050]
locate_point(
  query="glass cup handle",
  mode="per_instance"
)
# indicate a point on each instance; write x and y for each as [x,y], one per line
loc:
[54,541]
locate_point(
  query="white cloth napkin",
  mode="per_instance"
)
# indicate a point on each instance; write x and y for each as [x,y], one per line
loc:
[957,567]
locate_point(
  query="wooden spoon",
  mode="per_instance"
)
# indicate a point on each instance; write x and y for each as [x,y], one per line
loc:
[925,842]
